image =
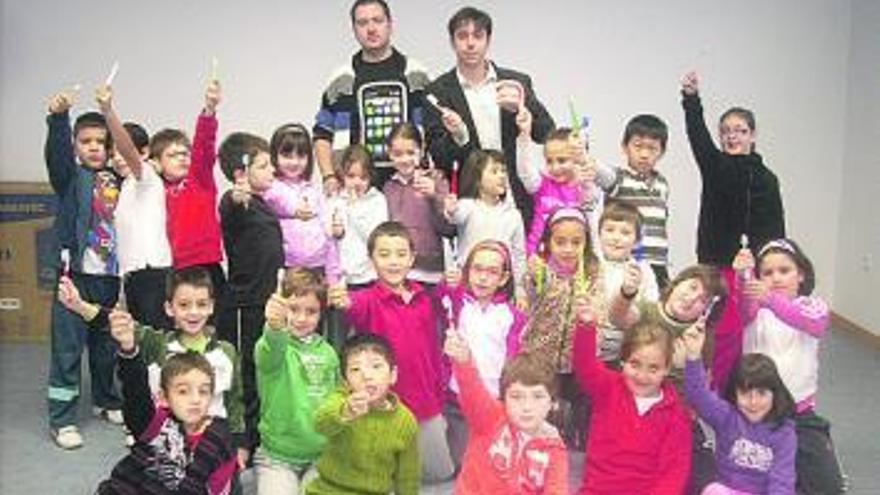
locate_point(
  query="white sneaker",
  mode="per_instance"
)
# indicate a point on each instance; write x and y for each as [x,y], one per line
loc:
[110,415]
[68,437]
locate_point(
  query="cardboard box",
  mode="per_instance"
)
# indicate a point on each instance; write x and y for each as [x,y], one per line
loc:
[27,260]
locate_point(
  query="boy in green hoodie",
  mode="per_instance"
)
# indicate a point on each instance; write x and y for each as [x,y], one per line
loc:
[296,370]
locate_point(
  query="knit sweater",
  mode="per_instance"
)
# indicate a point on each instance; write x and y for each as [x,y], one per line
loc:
[165,459]
[740,195]
[374,453]
[423,217]
[191,203]
[628,452]
[411,329]
[499,458]
[749,457]
[294,376]
[788,331]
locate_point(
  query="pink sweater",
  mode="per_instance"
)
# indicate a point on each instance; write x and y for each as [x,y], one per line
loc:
[411,329]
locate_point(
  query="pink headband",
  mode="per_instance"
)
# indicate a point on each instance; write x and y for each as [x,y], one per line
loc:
[567,213]
[491,244]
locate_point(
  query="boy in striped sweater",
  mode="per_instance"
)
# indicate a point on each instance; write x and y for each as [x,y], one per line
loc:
[640,184]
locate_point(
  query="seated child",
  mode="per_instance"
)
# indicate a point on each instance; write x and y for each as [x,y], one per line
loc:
[481,311]
[512,448]
[621,272]
[372,444]
[296,370]
[180,447]
[640,184]
[403,312]
[755,439]
[639,434]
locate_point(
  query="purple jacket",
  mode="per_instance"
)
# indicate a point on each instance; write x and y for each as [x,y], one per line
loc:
[750,457]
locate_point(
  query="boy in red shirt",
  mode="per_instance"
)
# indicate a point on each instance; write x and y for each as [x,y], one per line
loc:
[190,192]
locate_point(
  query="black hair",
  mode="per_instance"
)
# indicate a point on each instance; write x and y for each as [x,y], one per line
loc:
[646,126]
[804,265]
[472,174]
[96,121]
[759,371]
[360,3]
[361,342]
[239,150]
[195,276]
[138,135]
[465,15]
[292,138]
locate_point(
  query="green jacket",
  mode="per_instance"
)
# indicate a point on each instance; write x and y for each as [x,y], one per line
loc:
[294,376]
[156,346]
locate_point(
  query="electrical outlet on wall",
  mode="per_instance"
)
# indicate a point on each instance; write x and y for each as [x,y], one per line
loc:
[867,262]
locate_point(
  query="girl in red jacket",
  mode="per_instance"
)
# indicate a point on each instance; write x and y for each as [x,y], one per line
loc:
[640,433]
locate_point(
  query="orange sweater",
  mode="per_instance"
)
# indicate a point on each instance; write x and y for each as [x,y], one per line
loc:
[494,462]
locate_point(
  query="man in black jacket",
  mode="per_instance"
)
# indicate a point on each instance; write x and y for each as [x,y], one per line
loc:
[468,114]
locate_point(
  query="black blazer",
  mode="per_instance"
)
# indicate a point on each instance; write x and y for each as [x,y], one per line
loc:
[445,151]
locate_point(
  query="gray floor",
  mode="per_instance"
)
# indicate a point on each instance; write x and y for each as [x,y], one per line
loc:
[31,465]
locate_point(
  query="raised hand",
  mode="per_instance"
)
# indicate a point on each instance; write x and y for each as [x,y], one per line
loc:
[68,295]
[744,260]
[583,311]
[424,183]
[212,97]
[456,347]
[337,296]
[524,122]
[357,404]
[62,101]
[632,280]
[104,97]
[690,83]
[122,329]
[241,191]
[693,339]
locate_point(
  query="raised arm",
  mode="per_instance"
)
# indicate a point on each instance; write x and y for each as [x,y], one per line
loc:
[204,150]
[704,149]
[592,376]
[137,401]
[58,151]
[123,142]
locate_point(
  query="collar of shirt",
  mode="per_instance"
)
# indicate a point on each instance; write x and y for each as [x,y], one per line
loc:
[491,77]
[385,292]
